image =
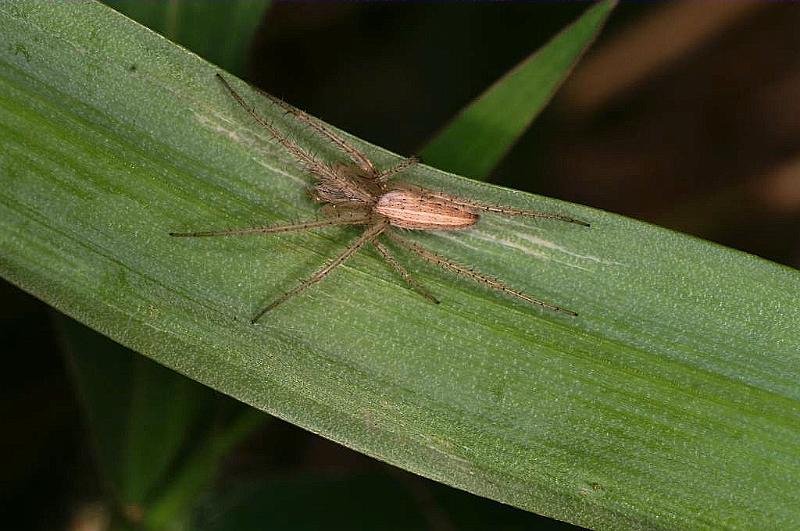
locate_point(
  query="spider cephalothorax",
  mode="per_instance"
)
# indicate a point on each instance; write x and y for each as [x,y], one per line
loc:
[361,194]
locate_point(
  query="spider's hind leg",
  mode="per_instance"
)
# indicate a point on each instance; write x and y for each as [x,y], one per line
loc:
[470,273]
[509,211]
[392,261]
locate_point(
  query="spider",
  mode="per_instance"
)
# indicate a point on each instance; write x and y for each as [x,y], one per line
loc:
[361,194]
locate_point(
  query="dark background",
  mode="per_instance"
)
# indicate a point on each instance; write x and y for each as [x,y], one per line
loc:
[683,114]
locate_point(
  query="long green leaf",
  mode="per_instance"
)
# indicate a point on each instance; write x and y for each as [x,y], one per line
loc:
[143,418]
[172,508]
[671,401]
[140,412]
[482,133]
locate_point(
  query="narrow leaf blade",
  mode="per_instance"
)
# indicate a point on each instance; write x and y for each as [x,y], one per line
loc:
[140,412]
[483,132]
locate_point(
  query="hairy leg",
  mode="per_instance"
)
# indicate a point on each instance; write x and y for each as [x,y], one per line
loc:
[306,225]
[508,211]
[442,262]
[392,261]
[369,235]
[348,149]
[400,167]
[305,158]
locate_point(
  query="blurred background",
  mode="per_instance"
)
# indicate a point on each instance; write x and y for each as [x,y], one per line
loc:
[683,114]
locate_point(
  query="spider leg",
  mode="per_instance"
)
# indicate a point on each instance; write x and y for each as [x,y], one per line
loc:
[392,261]
[292,227]
[368,235]
[400,167]
[355,155]
[509,211]
[442,262]
[305,158]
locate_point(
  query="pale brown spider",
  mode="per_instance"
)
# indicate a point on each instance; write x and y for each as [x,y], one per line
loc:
[360,194]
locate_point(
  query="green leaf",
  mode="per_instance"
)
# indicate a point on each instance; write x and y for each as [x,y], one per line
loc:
[172,508]
[140,412]
[483,132]
[671,401]
[144,417]
[219,32]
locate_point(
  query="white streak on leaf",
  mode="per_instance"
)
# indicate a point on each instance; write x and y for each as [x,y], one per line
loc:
[256,143]
[550,245]
[535,250]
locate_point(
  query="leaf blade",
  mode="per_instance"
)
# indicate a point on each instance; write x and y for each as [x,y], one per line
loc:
[140,412]
[475,141]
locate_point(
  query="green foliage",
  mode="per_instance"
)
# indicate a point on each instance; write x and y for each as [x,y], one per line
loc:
[671,401]
[159,437]
[483,132]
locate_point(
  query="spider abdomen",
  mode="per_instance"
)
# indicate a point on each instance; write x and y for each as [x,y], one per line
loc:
[417,210]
